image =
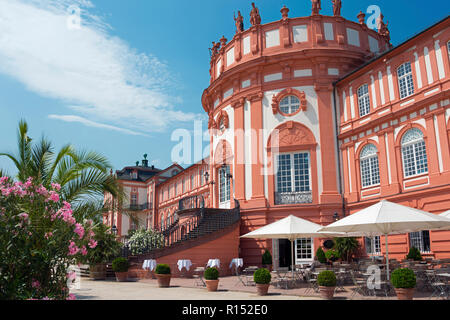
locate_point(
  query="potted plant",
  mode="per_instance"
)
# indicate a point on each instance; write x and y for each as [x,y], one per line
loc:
[404,282]
[106,249]
[327,284]
[414,254]
[332,255]
[120,267]
[320,254]
[262,279]
[162,272]
[211,278]
[267,260]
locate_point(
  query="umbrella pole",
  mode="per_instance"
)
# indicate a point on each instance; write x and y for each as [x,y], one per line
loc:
[387,257]
[292,258]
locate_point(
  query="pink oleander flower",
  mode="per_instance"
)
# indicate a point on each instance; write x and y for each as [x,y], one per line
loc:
[56,186]
[67,205]
[73,249]
[3,180]
[23,215]
[84,251]
[48,235]
[71,297]
[53,196]
[72,275]
[35,284]
[79,230]
[92,244]
[29,182]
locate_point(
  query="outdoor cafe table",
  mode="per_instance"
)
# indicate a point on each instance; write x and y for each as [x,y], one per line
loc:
[149,265]
[184,263]
[238,262]
[213,263]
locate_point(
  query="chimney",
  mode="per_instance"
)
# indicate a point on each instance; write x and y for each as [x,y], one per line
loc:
[145,161]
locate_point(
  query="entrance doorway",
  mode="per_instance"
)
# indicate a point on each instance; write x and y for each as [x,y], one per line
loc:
[285,255]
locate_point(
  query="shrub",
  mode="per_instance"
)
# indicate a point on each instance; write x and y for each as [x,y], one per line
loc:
[403,278]
[143,241]
[162,269]
[346,247]
[40,238]
[262,276]
[107,247]
[211,274]
[414,254]
[332,255]
[120,265]
[266,258]
[321,255]
[326,278]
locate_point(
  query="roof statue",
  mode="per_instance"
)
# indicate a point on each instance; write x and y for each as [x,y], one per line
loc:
[383,29]
[337,5]
[239,21]
[255,18]
[316,6]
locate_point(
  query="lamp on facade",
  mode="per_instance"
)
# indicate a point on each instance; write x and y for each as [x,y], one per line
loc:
[114,229]
[206,175]
[336,216]
[224,171]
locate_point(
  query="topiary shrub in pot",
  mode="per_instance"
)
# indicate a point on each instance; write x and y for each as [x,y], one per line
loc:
[414,254]
[162,272]
[267,260]
[262,279]
[332,255]
[327,284]
[211,278]
[120,267]
[404,282]
[320,254]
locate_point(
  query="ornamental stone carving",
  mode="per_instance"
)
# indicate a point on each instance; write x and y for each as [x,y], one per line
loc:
[276,99]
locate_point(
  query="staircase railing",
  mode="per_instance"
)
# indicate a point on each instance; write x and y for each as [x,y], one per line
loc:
[200,224]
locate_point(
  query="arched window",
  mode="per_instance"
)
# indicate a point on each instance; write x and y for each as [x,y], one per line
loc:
[289,105]
[405,80]
[370,170]
[414,153]
[363,100]
[222,124]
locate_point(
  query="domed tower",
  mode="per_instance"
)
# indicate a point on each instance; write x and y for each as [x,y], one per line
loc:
[272,116]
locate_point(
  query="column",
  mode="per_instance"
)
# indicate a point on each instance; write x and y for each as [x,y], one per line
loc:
[239,150]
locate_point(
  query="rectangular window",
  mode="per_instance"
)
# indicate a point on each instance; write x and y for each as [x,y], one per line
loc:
[224,186]
[363,100]
[192,182]
[405,80]
[372,245]
[133,199]
[293,173]
[420,240]
[370,174]
[303,250]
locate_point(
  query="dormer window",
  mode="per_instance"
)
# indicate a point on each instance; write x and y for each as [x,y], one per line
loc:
[134,175]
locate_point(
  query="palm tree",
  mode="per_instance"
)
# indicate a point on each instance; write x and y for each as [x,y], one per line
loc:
[84,176]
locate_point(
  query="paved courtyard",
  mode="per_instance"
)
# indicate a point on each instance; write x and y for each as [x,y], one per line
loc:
[149,290]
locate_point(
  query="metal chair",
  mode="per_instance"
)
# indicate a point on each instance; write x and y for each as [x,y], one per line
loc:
[439,285]
[198,276]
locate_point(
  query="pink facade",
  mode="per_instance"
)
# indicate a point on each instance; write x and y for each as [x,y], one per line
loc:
[319,117]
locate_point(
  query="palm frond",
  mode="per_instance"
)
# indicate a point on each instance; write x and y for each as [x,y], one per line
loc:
[42,154]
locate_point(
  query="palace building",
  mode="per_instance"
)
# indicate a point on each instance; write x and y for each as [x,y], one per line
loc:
[314,116]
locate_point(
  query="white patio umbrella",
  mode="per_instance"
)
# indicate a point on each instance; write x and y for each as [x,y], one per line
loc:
[385,218]
[291,228]
[445,214]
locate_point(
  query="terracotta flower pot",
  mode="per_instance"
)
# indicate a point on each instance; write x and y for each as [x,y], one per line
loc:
[212,285]
[404,294]
[122,276]
[327,292]
[262,288]
[97,271]
[163,280]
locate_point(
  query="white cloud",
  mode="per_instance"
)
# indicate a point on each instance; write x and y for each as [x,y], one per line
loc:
[89,123]
[97,75]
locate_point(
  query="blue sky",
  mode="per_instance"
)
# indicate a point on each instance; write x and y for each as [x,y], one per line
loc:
[136,70]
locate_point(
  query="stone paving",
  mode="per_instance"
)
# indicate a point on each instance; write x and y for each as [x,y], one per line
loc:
[230,288]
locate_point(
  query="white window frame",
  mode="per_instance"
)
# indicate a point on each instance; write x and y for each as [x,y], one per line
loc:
[224,186]
[418,236]
[296,248]
[363,100]
[374,173]
[375,245]
[292,169]
[408,78]
[414,143]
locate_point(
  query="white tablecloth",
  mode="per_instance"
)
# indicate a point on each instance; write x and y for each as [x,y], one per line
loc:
[213,263]
[149,264]
[184,264]
[238,262]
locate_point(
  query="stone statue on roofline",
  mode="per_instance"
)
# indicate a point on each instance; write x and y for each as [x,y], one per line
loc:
[316,6]
[215,48]
[239,21]
[337,5]
[255,18]
[383,28]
